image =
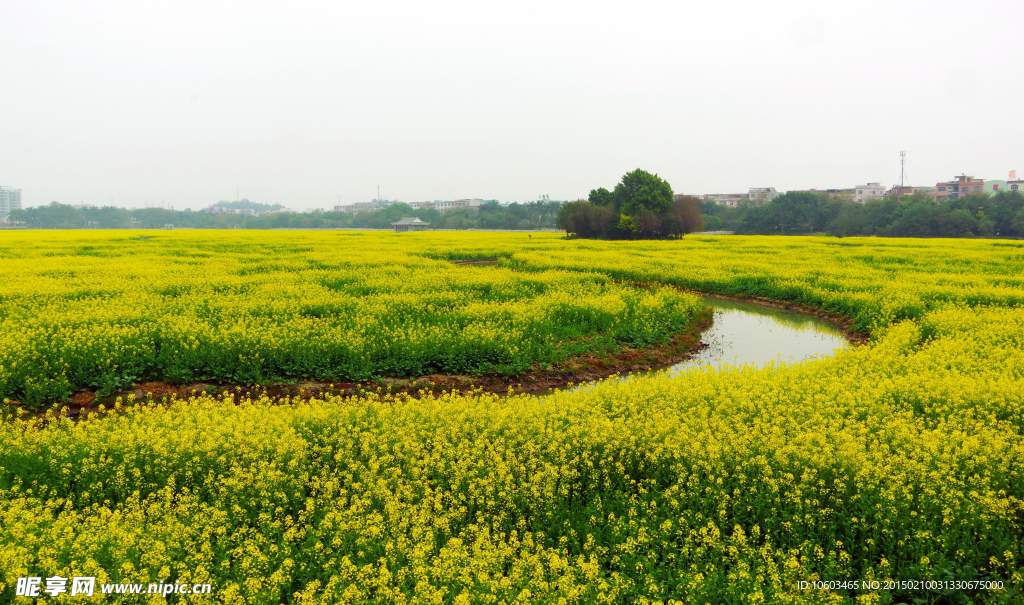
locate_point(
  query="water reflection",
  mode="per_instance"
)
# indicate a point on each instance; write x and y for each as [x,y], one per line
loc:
[745,333]
[749,334]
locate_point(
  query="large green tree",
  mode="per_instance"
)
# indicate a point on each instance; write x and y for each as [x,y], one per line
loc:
[601,197]
[641,190]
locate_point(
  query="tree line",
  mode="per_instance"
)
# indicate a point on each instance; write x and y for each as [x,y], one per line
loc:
[490,215]
[917,215]
[642,206]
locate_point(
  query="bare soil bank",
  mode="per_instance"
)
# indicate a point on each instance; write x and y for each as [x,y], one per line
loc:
[840,321]
[575,370]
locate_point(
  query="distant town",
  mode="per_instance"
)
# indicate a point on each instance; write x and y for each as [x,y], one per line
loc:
[755,211]
[10,199]
[944,191]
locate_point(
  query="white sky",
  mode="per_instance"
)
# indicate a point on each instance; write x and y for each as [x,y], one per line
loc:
[301,102]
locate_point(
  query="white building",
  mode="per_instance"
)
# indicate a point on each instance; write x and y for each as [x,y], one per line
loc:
[444,205]
[754,195]
[762,195]
[10,199]
[871,191]
[470,203]
[370,206]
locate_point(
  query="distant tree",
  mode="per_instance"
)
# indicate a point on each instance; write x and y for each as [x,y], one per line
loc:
[603,219]
[824,209]
[648,223]
[627,225]
[111,217]
[758,220]
[791,210]
[686,213]
[879,214]
[52,216]
[586,219]
[573,217]
[642,205]
[1005,207]
[913,218]
[601,197]
[957,223]
[244,203]
[640,189]
[714,223]
[851,220]
[1017,224]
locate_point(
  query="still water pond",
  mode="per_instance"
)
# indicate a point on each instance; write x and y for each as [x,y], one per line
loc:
[745,333]
[752,335]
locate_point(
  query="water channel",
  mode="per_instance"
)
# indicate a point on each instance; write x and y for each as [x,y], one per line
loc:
[749,334]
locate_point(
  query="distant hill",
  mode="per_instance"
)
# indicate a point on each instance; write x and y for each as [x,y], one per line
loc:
[245,203]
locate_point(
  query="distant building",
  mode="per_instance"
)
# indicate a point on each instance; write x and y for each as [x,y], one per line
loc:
[900,192]
[755,195]
[1015,186]
[468,203]
[761,195]
[866,193]
[829,192]
[10,199]
[410,223]
[444,205]
[223,210]
[371,206]
[722,199]
[958,187]
[993,187]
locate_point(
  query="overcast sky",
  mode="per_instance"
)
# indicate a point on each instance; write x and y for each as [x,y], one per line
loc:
[300,103]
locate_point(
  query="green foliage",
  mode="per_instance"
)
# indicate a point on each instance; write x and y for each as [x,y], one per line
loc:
[714,223]
[640,190]
[641,206]
[244,203]
[52,216]
[628,224]
[532,215]
[916,215]
[601,197]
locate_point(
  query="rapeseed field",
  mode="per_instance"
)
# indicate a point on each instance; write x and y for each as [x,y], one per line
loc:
[101,312]
[889,473]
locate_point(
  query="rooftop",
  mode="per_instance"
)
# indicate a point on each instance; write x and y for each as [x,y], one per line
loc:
[409,220]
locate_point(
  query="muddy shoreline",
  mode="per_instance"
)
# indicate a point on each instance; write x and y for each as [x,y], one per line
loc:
[840,321]
[575,370]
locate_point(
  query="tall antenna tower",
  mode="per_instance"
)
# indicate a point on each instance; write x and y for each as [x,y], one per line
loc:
[903,161]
